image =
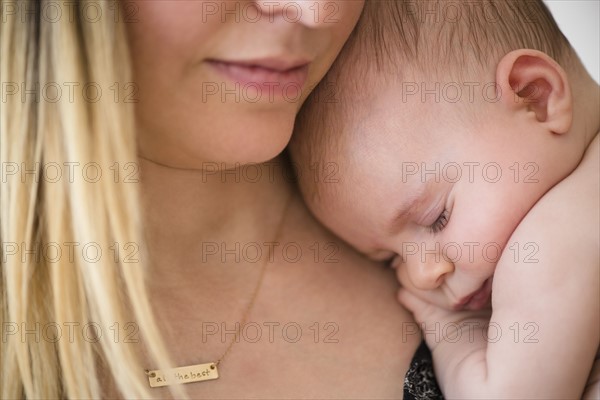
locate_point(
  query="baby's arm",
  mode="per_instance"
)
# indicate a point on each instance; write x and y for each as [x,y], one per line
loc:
[545,326]
[592,389]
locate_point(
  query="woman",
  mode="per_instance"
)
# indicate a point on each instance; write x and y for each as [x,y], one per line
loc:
[192,230]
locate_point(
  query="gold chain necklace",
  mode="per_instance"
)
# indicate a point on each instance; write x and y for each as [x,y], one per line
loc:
[209,371]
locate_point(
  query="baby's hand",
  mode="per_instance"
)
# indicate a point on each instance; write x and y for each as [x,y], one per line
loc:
[423,310]
[438,324]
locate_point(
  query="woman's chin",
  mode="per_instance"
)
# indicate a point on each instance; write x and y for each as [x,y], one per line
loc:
[238,141]
[256,155]
[257,141]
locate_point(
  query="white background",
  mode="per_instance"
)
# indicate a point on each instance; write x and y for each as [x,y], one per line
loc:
[579,20]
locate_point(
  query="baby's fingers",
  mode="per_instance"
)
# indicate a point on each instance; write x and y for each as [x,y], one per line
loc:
[422,310]
[410,301]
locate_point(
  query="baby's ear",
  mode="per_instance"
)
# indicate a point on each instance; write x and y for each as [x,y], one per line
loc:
[531,81]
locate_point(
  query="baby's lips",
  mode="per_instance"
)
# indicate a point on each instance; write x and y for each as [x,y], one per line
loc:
[479,299]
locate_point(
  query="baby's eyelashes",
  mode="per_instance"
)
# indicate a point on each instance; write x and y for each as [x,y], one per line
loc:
[440,223]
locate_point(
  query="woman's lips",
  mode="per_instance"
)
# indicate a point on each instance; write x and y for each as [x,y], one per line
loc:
[273,75]
[476,300]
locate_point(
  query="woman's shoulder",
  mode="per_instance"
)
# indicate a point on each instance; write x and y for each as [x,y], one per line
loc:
[352,285]
[328,254]
[366,335]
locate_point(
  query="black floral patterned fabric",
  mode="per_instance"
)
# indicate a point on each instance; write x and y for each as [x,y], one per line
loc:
[420,382]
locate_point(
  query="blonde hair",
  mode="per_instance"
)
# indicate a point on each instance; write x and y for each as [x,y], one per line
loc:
[51,295]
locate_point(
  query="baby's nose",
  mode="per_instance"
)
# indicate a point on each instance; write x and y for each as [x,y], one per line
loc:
[427,272]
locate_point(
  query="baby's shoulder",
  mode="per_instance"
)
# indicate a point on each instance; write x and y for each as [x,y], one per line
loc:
[579,193]
[572,204]
[588,169]
[562,227]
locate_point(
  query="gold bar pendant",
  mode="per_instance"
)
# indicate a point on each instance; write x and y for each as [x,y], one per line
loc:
[189,374]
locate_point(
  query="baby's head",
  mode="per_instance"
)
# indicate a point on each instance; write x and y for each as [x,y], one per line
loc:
[436,131]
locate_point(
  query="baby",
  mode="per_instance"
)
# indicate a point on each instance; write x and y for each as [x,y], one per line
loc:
[461,146]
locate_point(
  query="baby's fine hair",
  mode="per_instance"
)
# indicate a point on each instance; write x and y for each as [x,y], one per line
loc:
[437,36]
[434,39]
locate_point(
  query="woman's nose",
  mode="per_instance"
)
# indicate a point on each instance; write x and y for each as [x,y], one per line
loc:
[308,12]
[427,271]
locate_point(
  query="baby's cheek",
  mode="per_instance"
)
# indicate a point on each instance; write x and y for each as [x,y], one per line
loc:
[478,246]
[490,227]
[490,250]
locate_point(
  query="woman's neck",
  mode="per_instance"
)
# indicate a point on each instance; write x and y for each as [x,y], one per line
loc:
[190,215]
[200,203]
